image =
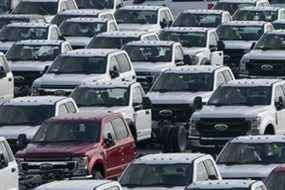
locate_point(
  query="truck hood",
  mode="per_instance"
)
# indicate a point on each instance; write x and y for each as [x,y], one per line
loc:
[194,50]
[139,27]
[177,97]
[12,131]
[150,67]
[78,41]
[155,188]
[266,55]
[29,65]
[230,111]
[115,109]
[36,150]
[237,44]
[68,79]
[4,46]
[246,171]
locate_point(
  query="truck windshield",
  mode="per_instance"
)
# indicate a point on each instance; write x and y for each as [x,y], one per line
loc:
[110,42]
[184,82]
[101,97]
[157,175]
[231,7]
[187,39]
[25,115]
[246,33]
[241,96]
[36,7]
[149,53]
[276,181]
[246,15]
[69,131]
[33,52]
[4,21]
[60,18]
[78,29]
[95,4]
[252,153]
[23,33]
[136,17]
[79,65]
[198,20]
[271,42]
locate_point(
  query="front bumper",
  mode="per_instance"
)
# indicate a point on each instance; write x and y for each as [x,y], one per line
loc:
[242,75]
[208,142]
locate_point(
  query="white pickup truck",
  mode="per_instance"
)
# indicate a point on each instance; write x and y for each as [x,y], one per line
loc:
[6,80]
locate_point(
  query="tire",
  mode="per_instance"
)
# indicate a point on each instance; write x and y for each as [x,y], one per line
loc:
[164,139]
[96,174]
[179,139]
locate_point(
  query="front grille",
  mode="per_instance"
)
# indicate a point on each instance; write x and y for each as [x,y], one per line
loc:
[235,55]
[49,166]
[207,127]
[26,77]
[181,112]
[43,159]
[266,67]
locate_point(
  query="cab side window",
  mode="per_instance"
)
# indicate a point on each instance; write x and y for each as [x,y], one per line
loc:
[4,68]
[108,129]
[178,54]
[123,62]
[150,37]
[6,154]
[112,27]
[70,5]
[62,109]
[201,172]
[107,16]
[113,63]
[137,95]
[213,42]
[70,107]
[220,79]
[120,129]
[279,93]
[227,75]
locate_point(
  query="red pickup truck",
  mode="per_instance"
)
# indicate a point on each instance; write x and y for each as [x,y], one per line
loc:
[81,144]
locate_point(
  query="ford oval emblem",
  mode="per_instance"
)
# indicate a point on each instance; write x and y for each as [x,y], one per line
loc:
[46,166]
[221,127]
[266,67]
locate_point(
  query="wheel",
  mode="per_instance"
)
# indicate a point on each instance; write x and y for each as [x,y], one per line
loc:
[97,174]
[179,139]
[164,140]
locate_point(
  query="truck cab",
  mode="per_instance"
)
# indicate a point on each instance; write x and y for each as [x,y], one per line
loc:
[127,98]
[202,44]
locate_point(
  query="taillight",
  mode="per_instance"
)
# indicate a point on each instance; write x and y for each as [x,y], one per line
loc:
[210,5]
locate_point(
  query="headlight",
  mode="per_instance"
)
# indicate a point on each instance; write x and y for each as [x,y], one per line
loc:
[195,59]
[254,123]
[82,162]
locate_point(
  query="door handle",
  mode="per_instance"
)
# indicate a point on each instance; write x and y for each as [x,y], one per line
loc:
[13,170]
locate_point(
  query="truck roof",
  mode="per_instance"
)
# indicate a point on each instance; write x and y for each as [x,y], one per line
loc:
[110,84]
[39,42]
[252,82]
[259,8]
[73,184]
[194,69]
[151,43]
[259,139]
[87,20]
[187,29]
[122,34]
[141,8]
[29,24]
[245,23]
[82,12]
[204,11]
[169,158]
[83,116]
[34,100]
[90,52]
[237,1]
[222,184]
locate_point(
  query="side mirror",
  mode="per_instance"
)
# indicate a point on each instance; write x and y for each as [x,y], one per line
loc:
[22,141]
[109,141]
[3,162]
[253,45]
[187,59]
[221,45]
[198,104]
[2,72]
[279,104]
[163,23]
[212,177]
[147,104]
[114,72]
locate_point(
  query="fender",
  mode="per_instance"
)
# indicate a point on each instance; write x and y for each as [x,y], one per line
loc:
[96,159]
